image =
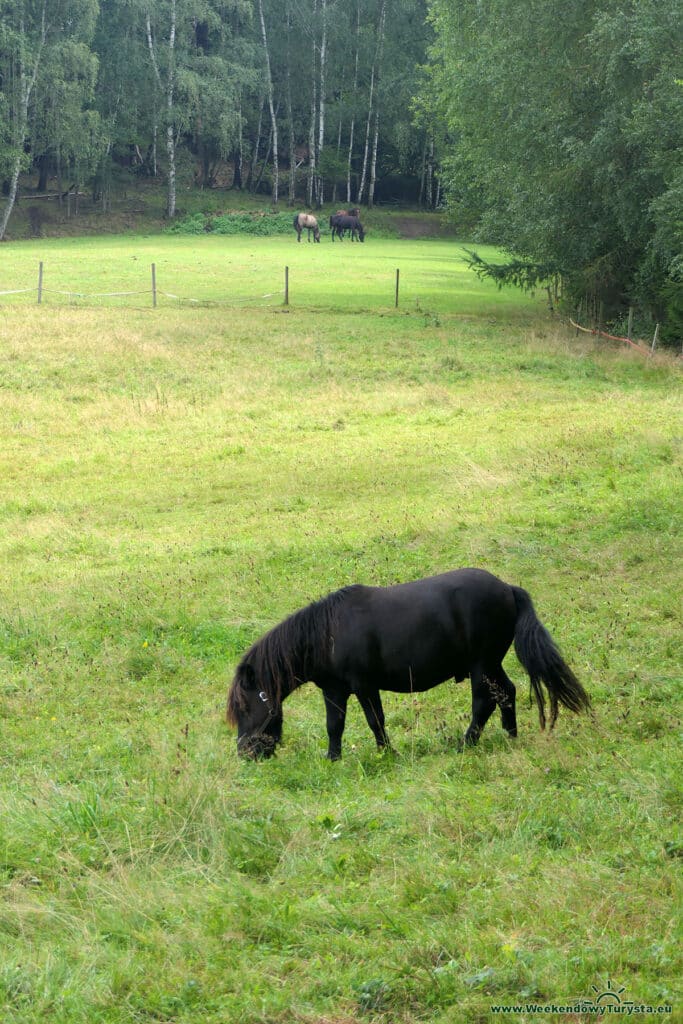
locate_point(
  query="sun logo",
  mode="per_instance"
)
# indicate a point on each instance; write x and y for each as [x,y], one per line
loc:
[609,996]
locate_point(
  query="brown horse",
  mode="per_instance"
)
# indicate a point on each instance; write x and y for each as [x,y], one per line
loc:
[306,220]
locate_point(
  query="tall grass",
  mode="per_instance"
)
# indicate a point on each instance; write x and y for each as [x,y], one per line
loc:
[172,483]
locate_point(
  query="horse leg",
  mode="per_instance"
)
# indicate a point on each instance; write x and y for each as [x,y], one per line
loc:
[483,706]
[503,691]
[371,703]
[335,709]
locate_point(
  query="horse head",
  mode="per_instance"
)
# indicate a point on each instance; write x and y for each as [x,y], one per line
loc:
[255,712]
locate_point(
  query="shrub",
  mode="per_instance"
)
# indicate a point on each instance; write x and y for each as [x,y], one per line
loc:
[242,223]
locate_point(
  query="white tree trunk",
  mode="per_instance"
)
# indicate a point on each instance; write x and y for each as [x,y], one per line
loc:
[290,116]
[373,162]
[353,115]
[26,83]
[167,88]
[314,108]
[366,149]
[375,141]
[374,77]
[271,106]
[321,98]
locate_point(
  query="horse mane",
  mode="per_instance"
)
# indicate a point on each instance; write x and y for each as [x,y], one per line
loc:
[284,657]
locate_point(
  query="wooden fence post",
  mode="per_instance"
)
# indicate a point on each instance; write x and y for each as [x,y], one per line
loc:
[629,330]
[154,285]
[286,286]
[397,277]
[40,282]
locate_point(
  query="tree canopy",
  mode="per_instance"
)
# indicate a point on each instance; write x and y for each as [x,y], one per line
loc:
[566,123]
[306,97]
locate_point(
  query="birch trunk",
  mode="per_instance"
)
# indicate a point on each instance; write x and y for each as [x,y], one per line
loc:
[339,138]
[253,163]
[422,175]
[375,141]
[314,107]
[271,106]
[290,116]
[26,84]
[321,99]
[366,149]
[373,162]
[167,88]
[353,115]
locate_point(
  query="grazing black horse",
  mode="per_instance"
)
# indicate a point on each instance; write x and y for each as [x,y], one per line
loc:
[406,638]
[339,223]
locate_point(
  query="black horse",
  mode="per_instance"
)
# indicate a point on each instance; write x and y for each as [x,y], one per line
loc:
[339,223]
[406,638]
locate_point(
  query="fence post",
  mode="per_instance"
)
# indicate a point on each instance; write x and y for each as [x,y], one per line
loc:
[154,285]
[629,330]
[397,277]
[286,286]
[40,282]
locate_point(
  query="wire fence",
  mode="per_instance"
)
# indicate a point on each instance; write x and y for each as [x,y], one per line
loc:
[279,297]
[152,293]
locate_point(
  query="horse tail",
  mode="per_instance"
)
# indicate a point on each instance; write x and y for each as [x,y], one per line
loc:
[296,221]
[543,662]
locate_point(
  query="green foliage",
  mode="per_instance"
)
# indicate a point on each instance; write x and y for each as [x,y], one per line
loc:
[520,274]
[243,223]
[566,138]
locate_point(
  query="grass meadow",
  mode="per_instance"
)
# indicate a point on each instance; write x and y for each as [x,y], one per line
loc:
[174,481]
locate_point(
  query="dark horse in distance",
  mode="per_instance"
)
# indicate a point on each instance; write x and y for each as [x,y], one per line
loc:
[307,221]
[406,638]
[341,222]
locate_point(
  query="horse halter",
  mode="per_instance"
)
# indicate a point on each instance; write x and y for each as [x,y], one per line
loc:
[266,700]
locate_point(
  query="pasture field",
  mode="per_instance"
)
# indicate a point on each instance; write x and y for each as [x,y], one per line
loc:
[175,481]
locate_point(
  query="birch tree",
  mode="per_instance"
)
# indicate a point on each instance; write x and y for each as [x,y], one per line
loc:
[379,43]
[26,39]
[321,97]
[43,53]
[271,105]
[354,95]
[375,140]
[314,108]
[165,74]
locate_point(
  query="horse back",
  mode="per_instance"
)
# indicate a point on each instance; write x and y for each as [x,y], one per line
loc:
[412,636]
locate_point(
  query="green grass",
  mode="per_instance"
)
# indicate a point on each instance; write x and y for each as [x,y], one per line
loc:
[242,271]
[175,481]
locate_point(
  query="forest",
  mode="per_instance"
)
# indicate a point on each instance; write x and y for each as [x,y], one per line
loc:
[550,129]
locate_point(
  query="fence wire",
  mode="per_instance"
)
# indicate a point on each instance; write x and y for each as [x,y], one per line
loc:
[154,294]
